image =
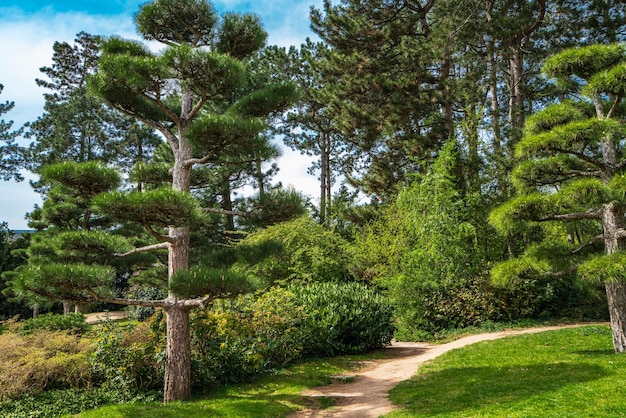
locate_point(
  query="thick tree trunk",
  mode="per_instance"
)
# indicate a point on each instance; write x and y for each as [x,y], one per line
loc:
[613,222]
[616,297]
[178,354]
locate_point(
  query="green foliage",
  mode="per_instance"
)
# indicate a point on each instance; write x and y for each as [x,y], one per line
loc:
[240,35]
[604,268]
[201,280]
[127,360]
[241,338]
[300,250]
[62,402]
[74,323]
[177,21]
[163,207]
[69,282]
[271,208]
[344,318]
[554,115]
[85,179]
[583,62]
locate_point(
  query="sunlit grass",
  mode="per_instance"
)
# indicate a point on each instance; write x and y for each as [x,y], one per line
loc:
[566,373]
[273,396]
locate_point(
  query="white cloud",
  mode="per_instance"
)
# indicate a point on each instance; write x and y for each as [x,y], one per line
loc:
[26,45]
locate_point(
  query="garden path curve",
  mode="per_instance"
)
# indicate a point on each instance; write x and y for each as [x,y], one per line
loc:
[366,395]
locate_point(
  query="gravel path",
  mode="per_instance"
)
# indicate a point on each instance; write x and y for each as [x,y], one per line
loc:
[96,317]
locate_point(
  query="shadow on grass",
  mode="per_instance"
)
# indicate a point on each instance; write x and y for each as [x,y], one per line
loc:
[459,389]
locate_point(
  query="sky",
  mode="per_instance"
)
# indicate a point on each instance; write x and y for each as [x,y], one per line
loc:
[29,28]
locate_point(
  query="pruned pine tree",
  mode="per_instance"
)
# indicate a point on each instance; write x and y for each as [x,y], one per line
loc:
[571,171]
[10,152]
[196,94]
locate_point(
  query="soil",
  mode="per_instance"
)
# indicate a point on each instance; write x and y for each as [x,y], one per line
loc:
[363,393]
[94,318]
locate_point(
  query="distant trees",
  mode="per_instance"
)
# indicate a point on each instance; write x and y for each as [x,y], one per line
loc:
[10,155]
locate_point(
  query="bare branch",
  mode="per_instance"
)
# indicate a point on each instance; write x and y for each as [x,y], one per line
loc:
[224,212]
[589,214]
[588,243]
[158,236]
[159,246]
[616,103]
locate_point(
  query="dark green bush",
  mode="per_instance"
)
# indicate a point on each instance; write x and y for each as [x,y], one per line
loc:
[343,318]
[127,359]
[242,337]
[72,322]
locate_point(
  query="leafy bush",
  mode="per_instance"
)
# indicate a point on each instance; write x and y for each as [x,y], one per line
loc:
[343,318]
[127,359]
[56,403]
[42,360]
[245,336]
[298,250]
[72,322]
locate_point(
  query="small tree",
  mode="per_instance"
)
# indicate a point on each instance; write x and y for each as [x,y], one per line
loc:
[572,171]
[200,95]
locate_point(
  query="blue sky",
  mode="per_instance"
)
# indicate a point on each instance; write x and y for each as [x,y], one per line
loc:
[28,29]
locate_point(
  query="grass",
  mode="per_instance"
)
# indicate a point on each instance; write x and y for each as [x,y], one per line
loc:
[271,396]
[567,373]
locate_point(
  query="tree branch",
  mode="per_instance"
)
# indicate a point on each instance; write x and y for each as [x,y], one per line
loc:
[224,212]
[159,246]
[588,243]
[128,302]
[562,273]
[590,214]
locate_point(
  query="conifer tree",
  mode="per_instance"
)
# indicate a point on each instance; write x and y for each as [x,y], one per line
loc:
[10,152]
[571,171]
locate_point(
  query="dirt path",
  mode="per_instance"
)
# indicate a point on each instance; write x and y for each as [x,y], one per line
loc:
[366,395]
[96,317]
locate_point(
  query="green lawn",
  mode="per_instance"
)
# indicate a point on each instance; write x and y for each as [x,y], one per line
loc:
[271,396]
[566,373]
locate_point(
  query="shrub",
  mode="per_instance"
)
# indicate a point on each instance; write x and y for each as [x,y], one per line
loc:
[245,336]
[298,250]
[41,360]
[72,322]
[343,318]
[127,359]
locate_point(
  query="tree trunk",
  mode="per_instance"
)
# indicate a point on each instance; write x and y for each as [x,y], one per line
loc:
[612,223]
[178,354]
[616,297]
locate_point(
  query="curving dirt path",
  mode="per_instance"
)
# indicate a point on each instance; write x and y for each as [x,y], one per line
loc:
[366,395]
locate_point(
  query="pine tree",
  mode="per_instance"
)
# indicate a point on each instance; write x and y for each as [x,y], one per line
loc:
[572,172]
[197,94]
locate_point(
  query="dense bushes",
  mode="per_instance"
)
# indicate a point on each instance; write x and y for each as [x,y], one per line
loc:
[298,250]
[41,360]
[72,322]
[250,334]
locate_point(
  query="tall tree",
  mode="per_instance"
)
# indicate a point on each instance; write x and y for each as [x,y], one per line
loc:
[572,171]
[308,127]
[194,93]
[76,126]
[10,152]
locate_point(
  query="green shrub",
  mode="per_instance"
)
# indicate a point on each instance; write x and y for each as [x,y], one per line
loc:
[343,318]
[127,359]
[72,322]
[56,403]
[298,250]
[242,337]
